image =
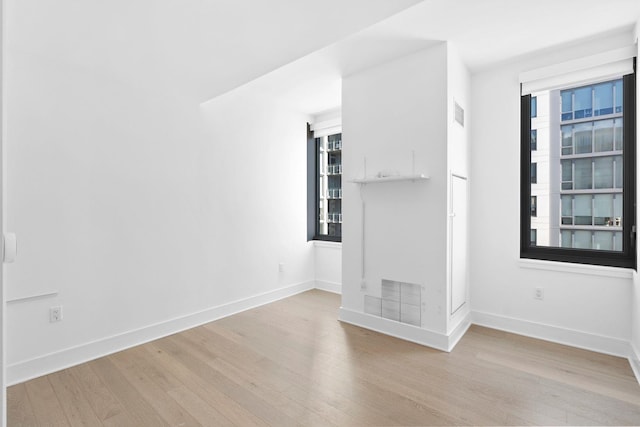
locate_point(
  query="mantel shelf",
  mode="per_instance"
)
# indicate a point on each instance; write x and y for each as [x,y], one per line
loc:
[373,180]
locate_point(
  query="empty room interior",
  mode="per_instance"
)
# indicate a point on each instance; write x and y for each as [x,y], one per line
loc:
[338,212]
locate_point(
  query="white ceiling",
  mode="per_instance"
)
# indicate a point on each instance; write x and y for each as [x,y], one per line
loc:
[204,48]
[198,48]
[490,31]
[312,84]
[485,32]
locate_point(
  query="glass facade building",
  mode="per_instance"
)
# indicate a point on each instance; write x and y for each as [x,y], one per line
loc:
[577,167]
[591,164]
[330,185]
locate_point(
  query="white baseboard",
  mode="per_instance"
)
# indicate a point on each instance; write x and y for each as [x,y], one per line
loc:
[42,365]
[407,332]
[324,285]
[579,339]
[52,362]
[396,329]
[634,361]
[456,335]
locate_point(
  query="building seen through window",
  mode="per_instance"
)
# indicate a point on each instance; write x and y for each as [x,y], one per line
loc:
[577,167]
[534,140]
[534,106]
[534,206]
[534,172]
[329,221]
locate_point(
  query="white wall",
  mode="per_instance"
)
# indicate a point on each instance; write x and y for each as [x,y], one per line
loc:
[458,137]
[587,310]
[459,90]
[328,266]
[140,208]
[389,111]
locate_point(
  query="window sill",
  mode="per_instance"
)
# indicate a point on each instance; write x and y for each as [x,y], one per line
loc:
[325,244]
[566,267]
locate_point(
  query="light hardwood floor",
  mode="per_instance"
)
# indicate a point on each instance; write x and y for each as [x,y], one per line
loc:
[292,363]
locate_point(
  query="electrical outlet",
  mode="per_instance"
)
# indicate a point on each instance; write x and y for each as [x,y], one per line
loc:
[281,267]
[55,314]
[539,293]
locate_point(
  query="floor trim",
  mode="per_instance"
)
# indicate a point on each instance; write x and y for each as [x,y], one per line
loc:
[333,287]
[396,329]
[634,361]
[573,338]
[42,365]
[456,335]
[52,362]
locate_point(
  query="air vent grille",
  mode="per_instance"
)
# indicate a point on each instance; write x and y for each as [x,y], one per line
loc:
[398,301]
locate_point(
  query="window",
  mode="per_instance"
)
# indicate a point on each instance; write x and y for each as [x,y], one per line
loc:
[534,173]
[534,140]
[325,186]
[587,187]
[534,106]
[534,206]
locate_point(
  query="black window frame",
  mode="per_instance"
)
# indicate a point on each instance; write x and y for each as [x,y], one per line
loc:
[313,191]
[626,258]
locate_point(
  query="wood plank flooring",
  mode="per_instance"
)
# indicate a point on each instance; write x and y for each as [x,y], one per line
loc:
[292,363]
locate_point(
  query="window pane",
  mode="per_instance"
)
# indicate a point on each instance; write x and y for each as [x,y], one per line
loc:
[534,206]
[534,140]
[603,171]
[567,105]
[567,209]
[582,206]
[603,209]
[534,173]
[618,133]
[534,237]
[618,172]
[617,241]
[580,185]
[329,191]
[567,220]
[582,135]
[567,140]
[567,174]
[603,135]
[617,206]
[582,107]
[618,89]
[334,142]
[534,106]
[582,239]
[603,240]
[582,179]
[603,94]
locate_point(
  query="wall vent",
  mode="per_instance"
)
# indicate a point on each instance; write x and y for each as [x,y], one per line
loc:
[459,114]
[398,301]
